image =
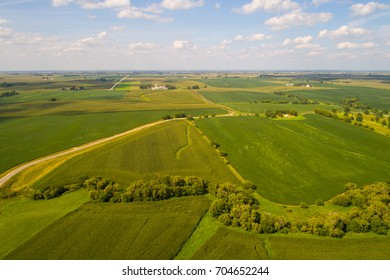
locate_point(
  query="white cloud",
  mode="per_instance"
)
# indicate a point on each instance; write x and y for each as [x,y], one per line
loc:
[142,47]
[297,18]
[308,46]
[349,45]
[57,3]
[298,40]
[367,9]
[342,32]
[137,13]
[267,5]
[388,43]
[102,35]
[88,42]
[251,38]
[181,4]
[117,28]
[2,21]
[319,2]
[217,6]
[181,44]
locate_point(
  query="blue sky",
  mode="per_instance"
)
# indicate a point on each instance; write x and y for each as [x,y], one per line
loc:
[194,35]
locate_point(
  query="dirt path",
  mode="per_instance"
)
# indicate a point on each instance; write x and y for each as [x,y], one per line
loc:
[230,110]
[24,166]
[118,82]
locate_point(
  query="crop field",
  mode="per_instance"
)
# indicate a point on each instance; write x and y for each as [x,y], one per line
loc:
[22,218]
[139,230]
[174,148]
[287,159]
[228,244]
[233,244]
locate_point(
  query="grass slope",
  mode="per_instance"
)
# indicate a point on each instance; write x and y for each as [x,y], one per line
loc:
[295,161]
[22,218]
[174,148]
[142,230]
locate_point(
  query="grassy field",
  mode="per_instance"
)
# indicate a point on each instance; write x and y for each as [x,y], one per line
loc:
[295,161]
[139,230]
[174,148]
[232,244]
[22,218]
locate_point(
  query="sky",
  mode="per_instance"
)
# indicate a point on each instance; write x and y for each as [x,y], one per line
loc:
[194,35]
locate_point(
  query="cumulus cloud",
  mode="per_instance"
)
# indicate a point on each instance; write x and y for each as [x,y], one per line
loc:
[217,6]
[142,47]
[181,4]
[251,38]
[297,18]
[181,44]
[349,45]
[343,31]
[138,13]
[88,42]
[2,21]
[298,40]
[267,5]
[367,9]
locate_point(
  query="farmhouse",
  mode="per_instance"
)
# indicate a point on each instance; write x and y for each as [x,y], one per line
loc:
[157,87]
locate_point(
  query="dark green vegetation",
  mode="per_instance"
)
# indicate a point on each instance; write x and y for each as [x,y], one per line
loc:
[139,230]
[233,245]
[300,161]
[173,148]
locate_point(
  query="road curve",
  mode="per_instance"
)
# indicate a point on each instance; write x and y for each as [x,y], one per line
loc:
[24,166]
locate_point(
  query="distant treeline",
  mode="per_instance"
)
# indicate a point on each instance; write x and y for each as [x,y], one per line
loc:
[296,99]
[8,94]
[280,113]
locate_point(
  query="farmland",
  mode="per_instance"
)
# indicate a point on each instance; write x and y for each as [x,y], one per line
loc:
[286,159]
[88,232]
[216,128]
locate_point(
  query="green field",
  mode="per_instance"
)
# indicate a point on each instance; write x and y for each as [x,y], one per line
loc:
[174,148]
[22,218]
[139,230]
[232,245]
[295,161]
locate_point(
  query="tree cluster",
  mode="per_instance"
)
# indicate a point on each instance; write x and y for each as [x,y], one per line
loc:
[296,99]
[352,102]
[49,192]
[236,206]
[280,113]
[8,94]
[160,188]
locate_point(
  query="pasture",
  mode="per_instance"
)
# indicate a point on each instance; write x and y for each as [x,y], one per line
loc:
[173,148]
[97,231]
[300,161]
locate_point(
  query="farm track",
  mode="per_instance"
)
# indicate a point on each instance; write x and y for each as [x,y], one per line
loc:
[114,86]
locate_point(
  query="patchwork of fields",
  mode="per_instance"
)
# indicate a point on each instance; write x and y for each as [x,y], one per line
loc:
[291,160]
